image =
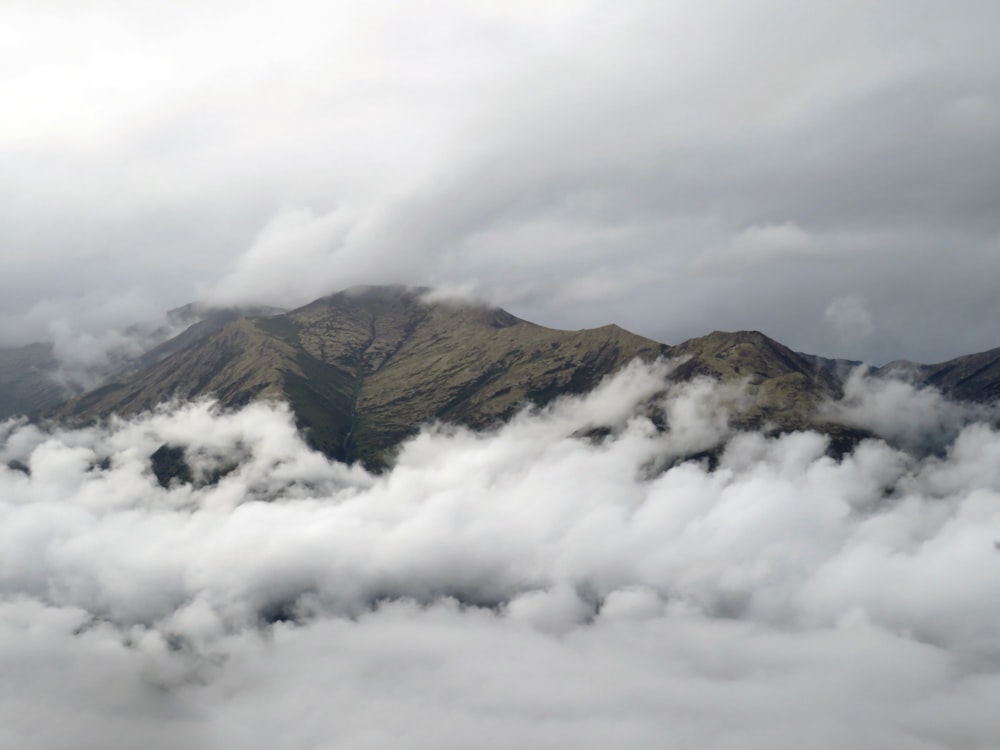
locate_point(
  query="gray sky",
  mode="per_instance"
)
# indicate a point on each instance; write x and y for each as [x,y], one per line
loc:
[824,172]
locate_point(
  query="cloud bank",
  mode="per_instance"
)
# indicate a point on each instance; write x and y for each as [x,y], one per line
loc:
[541,585]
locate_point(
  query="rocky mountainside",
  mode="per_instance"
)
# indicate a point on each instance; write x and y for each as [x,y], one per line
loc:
[363,369]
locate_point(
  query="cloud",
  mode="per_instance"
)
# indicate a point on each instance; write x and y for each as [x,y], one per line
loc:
[539,584]
[299,256]
[850,318]
[517,147]
[921,419]
[762,246]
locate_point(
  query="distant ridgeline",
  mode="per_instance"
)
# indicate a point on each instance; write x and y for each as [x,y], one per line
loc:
[364,368]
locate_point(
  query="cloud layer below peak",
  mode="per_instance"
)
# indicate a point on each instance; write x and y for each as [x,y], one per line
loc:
[528,586]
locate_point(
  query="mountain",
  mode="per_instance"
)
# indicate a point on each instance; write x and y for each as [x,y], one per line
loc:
[364,368]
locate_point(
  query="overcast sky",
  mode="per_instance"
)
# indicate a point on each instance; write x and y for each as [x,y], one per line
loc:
[824,172]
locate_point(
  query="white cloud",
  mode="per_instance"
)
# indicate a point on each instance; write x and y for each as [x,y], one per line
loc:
[761,246]
[524,586]
[296,258]
[921,419]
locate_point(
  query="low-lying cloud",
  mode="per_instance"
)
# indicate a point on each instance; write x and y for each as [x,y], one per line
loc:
[541,585]
[918,418]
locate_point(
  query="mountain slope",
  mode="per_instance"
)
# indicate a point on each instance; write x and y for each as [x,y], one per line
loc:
[196,321]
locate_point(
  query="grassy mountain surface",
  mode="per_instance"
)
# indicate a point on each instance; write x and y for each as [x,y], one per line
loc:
[364,368]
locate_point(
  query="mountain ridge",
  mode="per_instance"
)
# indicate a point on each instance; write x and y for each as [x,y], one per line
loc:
[363,368]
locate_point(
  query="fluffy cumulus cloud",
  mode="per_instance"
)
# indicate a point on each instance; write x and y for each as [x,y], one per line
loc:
[672,167]
[541,585]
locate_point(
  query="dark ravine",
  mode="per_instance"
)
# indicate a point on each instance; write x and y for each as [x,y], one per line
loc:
[364,368]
